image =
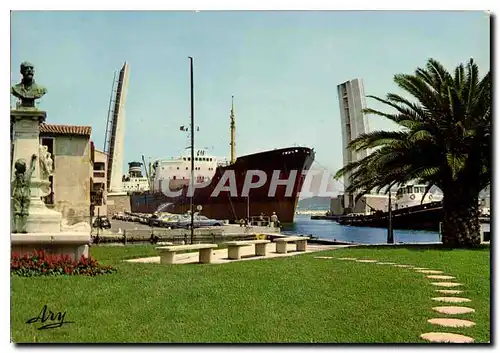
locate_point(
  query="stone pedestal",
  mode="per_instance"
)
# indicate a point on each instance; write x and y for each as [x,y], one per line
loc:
[26,136]
[206,256]
[74,244]
[261,249]
[234,253]
[281,247]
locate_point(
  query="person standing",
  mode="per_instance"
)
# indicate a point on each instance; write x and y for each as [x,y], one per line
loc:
[274,220]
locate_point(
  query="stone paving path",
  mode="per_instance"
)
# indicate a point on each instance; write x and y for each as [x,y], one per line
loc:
[439,277]
[437,337]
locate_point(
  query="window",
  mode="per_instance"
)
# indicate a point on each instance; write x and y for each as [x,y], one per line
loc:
[99,166]
[174,177]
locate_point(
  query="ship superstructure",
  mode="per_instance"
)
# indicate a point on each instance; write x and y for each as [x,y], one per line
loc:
[135,181]
[411,195]
[176,171]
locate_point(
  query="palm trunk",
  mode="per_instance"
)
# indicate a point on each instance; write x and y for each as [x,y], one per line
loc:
[461,227]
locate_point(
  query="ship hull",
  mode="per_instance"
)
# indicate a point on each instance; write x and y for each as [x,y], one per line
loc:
[422,217]
[233,207]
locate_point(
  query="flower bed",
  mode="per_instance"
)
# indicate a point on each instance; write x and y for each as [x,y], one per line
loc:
[39,263]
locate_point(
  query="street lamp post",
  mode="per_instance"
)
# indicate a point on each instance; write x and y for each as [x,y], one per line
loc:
[390,234]
[192,148]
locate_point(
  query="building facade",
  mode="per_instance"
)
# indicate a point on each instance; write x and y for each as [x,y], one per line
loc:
[71,183]
[352,101]
[98,195]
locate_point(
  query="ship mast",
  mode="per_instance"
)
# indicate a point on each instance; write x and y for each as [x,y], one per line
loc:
[150,177]
[233,142]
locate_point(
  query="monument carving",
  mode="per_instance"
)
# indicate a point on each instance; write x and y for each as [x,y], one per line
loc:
[46,163]
[21,193]
[27,91]
[46,169]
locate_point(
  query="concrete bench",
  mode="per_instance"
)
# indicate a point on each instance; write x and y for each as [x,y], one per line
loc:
[167,253]
[281,244]
[233,248]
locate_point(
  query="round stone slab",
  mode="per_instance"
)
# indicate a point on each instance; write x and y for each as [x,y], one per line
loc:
[403,266]
[430,271]
[451,322]
[420,268]
[439,277]
[385,263]
[366,260]
[347,258]
[446,284]
[449,291]
[451,299]
[451,310]
[323,257]
[443,337]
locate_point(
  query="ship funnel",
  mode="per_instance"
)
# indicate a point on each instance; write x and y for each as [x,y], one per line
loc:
[135,169]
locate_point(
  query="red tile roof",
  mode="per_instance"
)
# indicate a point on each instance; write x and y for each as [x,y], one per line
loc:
[65,129]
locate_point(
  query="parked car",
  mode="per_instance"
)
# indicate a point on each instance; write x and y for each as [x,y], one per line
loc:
[118,216]
[101,222]
[157,220]
[154,220]
[171,221]
[198,222]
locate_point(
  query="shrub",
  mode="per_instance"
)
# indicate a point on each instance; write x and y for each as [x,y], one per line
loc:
[38,263]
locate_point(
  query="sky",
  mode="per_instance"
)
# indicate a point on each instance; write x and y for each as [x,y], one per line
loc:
[282,67]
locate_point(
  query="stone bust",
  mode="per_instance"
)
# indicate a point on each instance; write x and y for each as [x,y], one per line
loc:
[28,91]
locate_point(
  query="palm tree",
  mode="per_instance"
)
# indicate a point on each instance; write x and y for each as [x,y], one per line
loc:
[445,141]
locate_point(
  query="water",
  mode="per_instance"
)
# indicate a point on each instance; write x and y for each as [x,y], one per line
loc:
[325,229]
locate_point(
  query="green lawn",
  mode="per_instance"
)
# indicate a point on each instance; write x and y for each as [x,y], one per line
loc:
[291,299]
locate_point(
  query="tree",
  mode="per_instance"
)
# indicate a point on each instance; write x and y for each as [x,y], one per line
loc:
[445,141]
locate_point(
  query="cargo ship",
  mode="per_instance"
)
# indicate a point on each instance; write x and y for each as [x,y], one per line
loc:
[174,174]
[292,164]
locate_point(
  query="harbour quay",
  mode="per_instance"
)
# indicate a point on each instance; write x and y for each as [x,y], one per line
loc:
[129,232]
